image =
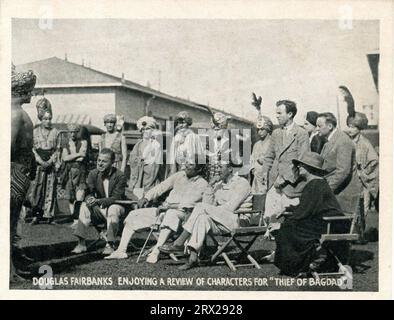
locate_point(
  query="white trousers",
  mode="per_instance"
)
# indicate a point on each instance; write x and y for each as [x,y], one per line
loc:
[199,224]
[144,218]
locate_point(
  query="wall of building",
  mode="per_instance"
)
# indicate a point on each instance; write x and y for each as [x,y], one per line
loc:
[129,103]
[94,102]
[132,103]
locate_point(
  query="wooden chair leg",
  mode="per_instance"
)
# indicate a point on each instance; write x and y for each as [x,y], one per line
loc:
[253,261]
[228,261]
[173,257]
[221,249]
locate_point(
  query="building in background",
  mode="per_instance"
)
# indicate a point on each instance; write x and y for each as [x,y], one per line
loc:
[81,94]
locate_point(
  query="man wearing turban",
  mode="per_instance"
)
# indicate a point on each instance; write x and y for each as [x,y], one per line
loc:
[367,163]
[264,128]
[46,146]
[22,159]
[146,157]
[114,140]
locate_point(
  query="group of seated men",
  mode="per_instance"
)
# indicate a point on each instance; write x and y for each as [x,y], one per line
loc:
[199,207]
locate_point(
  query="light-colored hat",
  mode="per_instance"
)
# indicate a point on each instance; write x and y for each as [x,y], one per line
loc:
[184,117]
[265,123]
[220,120]
[110,118]
[146,123]
[312,160]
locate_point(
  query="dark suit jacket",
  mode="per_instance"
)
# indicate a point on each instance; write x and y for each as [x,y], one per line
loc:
[317,143]
[116,188]
[278,158]
[339,156]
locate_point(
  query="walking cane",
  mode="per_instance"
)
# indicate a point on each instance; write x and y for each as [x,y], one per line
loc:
[150,233]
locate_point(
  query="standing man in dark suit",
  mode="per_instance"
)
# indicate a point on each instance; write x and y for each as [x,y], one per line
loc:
[339,156]
[315,140]
[288,142]
[106,184]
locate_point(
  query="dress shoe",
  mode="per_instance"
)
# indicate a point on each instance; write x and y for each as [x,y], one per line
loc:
[171,248]
[74,225]
[269,258]
[188,265]
[108,250]
[34,221]
[116,255]
[79,249]
[153,257]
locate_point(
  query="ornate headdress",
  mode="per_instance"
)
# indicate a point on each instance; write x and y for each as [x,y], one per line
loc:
[147,123]
[264,122]
[220,120]
[183,116]
[43,106]
[110,118]
[22,83]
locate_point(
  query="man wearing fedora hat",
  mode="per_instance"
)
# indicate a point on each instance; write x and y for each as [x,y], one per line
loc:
[297,238]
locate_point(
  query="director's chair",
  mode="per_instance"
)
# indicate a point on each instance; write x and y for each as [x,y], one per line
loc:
[347,235]
[243,236]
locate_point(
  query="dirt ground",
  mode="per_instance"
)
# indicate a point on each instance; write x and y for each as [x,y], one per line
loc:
[51,245]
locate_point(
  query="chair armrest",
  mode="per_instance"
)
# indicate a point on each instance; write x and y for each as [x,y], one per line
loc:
[337,218]
[125,202]
[246,211]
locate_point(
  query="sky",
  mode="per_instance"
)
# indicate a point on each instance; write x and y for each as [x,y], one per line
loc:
[218,62]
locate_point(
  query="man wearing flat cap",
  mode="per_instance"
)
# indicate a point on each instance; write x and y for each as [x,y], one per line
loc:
[316,142]
[114,140]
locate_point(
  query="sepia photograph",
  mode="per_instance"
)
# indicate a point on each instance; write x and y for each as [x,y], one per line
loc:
[195,154]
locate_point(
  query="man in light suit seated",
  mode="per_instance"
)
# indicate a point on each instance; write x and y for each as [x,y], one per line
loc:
[187,188]
[214,215]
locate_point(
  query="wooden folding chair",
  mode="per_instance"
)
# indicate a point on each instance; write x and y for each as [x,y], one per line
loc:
[243,237]
[333,237]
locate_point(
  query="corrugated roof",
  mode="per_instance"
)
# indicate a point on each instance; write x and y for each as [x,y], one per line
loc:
[56,72]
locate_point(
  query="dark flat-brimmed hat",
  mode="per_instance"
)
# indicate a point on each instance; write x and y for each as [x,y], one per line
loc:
[312,160]
[311,117]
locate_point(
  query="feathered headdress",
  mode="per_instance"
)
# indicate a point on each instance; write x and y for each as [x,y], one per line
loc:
[347,96]
[257,104]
